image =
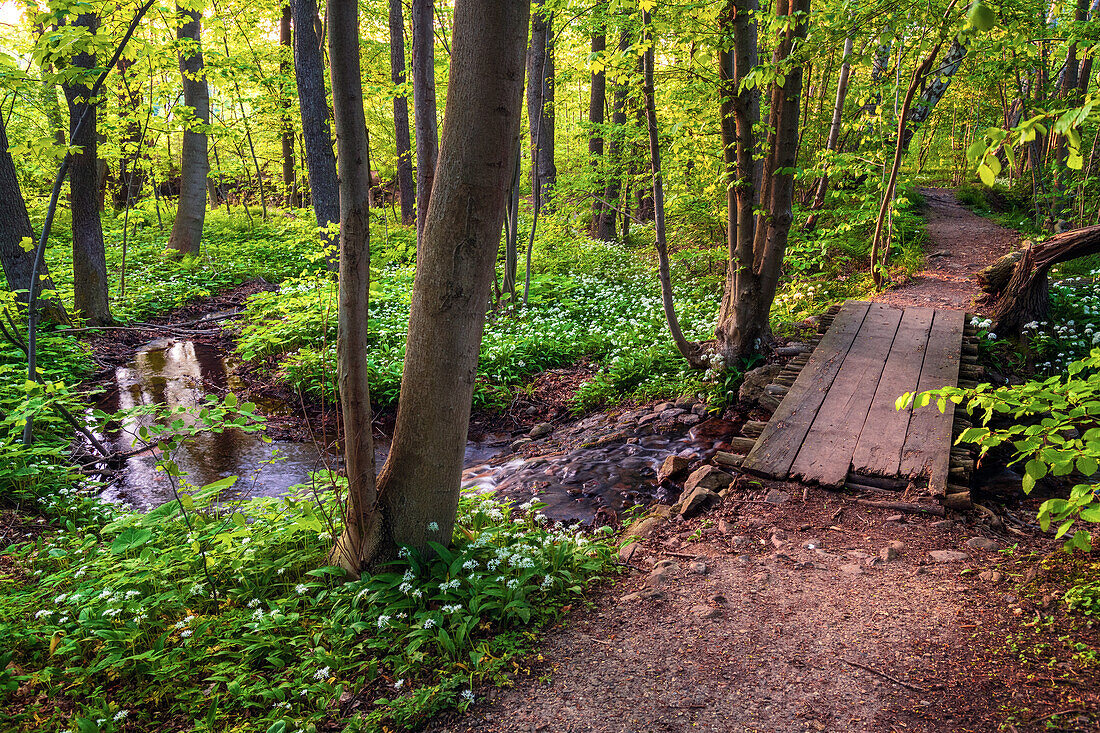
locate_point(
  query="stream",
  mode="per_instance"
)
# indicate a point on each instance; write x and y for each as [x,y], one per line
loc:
[576,484]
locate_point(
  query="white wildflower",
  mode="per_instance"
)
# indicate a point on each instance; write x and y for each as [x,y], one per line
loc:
[322,674]
[300,589]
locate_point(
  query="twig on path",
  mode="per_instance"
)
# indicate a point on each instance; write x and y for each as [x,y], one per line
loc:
[883,675]
[1061,712]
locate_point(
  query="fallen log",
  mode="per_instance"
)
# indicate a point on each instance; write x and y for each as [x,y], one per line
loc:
[901,506]
[1024,297]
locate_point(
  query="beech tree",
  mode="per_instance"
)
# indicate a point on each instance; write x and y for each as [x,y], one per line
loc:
[309,73]
[416,495]
[195,163]
[89,259]
[540,104]
[757,240]
[424,106]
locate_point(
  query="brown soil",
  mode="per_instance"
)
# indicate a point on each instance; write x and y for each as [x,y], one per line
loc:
[798,625]
[960,244]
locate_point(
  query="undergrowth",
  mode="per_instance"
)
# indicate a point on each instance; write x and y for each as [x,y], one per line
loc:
[216,617]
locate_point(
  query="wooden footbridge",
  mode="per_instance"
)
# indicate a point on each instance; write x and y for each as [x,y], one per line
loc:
[837,424]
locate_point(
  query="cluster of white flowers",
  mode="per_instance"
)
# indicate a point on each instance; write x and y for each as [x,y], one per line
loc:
[301,589]
[322,674]
[451,608]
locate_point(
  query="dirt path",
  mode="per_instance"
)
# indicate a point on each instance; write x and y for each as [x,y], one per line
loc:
[786,613]
[960,244]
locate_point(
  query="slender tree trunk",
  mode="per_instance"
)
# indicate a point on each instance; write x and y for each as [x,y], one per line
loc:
[605,228]
[424,106]
[131,177]
[834,131]
[540,105]
[309,73]
[405,184]
[511,232]
[689,350]
[290,183]
[89,260]
[195,165]
[16,235]
[419,485]
[361,535]
[597,98]
[935,89]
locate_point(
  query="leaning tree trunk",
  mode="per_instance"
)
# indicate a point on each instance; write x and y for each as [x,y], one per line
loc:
[290,183]
[195,165]
[89,259]
[418,487]
[834,132]
[361,535]
[16,235]
[689,350]
[597,98]
[934,90]
[540,105]
[309,73]
[401,115]
[424,106]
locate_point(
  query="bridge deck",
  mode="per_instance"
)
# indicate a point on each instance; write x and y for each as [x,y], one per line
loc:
[839,417]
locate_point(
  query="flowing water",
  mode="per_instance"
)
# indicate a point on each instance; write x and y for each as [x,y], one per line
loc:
[576,485]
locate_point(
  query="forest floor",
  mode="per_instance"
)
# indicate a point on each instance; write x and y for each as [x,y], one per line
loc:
[790,611]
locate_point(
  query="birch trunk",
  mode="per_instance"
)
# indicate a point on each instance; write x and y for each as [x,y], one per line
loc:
[195,164]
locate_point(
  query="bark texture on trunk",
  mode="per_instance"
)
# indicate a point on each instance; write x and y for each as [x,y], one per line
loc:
[195,164]
[89,260]
[309,73]
[540,105]
[424,106]
[758,241]
[405,184]
[290,184]
[361,536]
[419,485]
[597,98]
[944,72]
[15,227]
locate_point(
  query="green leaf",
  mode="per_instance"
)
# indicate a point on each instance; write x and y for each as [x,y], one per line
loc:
[231,400]
[129,539]
[1087,465]
[981,17]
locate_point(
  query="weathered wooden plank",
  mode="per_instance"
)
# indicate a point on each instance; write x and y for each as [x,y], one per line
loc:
[878,451]
[826,452]
[777,446]
[927,450]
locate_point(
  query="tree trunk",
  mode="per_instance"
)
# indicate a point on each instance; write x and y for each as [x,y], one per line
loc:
[933,91]
[405,185]
[361,535]
[89,260]
[15,229]
[195,165]
[689,350]
[758,242]
[511,232]
[540,105]
[834,132]
[309,72]
[424,107]
[419,485]
[605,228]
[597,98]
[130,175]
[290,183]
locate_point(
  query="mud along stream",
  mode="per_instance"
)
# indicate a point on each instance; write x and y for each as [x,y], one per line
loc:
[596,466]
